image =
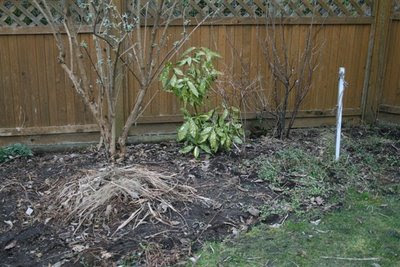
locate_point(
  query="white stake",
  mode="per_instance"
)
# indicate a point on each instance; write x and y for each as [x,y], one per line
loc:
[339,111]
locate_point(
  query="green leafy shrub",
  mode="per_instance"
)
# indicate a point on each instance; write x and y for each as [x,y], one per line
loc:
[14,151]
[211,132]
[191,77]
[190,80]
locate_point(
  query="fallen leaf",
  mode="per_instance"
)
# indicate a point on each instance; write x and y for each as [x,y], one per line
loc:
[10,223]
[319,200]
[11,245]
[253,211]
[276,189]
[217,205]
[195,259]
[275,225]
[78,248]
[29,211]
[163,207]
[316,222]
[175,223]
[106,255]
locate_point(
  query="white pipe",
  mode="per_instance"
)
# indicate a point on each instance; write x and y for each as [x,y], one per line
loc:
[339,111]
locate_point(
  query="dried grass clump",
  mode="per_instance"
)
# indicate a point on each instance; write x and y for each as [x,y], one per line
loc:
[98,194]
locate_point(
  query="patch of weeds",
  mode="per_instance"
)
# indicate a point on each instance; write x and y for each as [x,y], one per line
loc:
[308,180]
[11,152]
[299,179]
[366,232]
[131,261]
[375,151]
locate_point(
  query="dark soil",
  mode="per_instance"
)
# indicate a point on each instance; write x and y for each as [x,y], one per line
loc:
[43,238]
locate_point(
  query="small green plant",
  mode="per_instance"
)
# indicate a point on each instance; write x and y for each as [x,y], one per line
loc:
[190,80]
[211,132]
[191,77]
[14,151]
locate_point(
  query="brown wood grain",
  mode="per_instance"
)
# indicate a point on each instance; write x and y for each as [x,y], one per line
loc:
[35,93]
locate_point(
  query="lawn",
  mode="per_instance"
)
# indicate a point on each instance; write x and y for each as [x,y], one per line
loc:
[357,221]
[364,232]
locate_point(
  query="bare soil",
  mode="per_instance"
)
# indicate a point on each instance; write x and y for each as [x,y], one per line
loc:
[43,237]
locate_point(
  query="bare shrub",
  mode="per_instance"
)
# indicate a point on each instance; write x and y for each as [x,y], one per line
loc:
[291,73]
[240,89]
[134,42]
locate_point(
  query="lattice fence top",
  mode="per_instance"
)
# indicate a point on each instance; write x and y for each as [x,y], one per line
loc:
[281,8]
[20,13]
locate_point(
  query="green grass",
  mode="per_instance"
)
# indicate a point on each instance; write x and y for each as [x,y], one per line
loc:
[367,227]
[364,183]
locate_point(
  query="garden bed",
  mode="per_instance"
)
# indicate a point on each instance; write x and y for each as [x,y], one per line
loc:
[238,197]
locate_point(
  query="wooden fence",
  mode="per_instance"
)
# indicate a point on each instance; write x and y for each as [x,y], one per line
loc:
[38,104]
[389,105]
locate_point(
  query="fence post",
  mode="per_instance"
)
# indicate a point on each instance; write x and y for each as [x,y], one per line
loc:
[380,29]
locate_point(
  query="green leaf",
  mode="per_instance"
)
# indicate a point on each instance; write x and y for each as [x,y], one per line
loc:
[237,125]
[237,140]
[183,131]
[203,117]
[193,128]
[188,51]
[206,131]
[225,114]
[228,143]
[223,140]
[164,75]
[182,62]
[203,138]
[220,132]
[186,149]
[206,148]
[213,141]
[203,86]
[196,152]
[193,88]
[173,80]
[235,109]
[178,71]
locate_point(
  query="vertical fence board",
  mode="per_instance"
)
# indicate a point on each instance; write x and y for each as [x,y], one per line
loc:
[51,79]
[42,80]
[391,88]
[7,109]
[18,95]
